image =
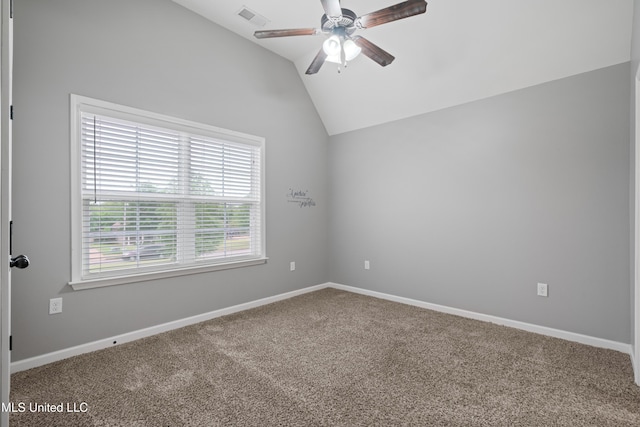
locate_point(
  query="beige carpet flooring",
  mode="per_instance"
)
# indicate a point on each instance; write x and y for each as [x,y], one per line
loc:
[334,358]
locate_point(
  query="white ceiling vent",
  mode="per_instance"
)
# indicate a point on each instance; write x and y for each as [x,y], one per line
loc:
[253,17]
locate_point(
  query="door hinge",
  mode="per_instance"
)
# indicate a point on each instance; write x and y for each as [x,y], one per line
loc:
[10,342]
[11,112]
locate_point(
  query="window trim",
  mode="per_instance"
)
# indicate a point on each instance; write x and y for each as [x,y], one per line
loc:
[80,104]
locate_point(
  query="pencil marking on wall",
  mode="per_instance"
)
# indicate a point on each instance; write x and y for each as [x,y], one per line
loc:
[301,198]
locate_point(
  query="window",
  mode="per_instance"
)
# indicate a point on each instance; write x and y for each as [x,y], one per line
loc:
[155,196]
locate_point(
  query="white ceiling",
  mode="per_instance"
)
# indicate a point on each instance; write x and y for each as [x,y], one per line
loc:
[459,51]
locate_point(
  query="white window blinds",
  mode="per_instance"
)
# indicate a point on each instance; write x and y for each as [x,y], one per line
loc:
[157,195]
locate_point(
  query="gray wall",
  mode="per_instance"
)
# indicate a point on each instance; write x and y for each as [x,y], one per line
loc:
[471,206]
[158,56]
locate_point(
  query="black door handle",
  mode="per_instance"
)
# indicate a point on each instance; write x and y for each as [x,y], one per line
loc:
[21,261]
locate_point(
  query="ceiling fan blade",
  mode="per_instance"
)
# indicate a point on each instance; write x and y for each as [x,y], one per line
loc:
[317,62]
[332,9]
[374,52]
[267,34]
[392,13]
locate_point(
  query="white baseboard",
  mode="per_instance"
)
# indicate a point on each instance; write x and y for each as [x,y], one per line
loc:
[636,372]
[635,362]
[33,362]
[55,356]
[543,330]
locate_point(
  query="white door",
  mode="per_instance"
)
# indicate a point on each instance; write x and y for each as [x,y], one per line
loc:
[6,45]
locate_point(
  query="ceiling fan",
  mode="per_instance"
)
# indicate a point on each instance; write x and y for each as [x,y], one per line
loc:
[340,24]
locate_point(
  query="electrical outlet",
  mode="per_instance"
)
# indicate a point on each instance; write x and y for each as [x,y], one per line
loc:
[367,265]
[292,266]
[55,305]
[543,290]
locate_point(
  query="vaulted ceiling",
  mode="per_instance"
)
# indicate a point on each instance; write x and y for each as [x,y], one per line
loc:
[458,51]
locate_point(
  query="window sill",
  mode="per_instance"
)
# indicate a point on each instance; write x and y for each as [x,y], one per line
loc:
[133,278]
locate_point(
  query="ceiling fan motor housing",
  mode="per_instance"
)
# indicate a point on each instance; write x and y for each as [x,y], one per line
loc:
[345,22]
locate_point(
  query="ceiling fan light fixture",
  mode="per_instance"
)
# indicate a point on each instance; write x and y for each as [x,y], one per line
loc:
[331,46]
[351,50]
[334,58]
